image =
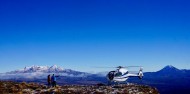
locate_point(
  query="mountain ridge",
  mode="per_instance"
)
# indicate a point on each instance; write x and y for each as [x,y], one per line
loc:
[40,72]
[170,71]
[35,68]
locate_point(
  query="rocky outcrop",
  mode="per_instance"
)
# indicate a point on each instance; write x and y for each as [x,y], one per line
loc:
[9,87]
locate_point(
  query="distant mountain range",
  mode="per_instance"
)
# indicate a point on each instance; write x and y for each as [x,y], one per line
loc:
[168,71]
[41,72]
[45,69]
[168,80]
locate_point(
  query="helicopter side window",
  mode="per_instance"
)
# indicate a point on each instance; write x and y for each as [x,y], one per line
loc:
[118,74]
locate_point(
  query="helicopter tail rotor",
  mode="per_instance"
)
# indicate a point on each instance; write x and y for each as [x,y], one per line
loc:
[140,73]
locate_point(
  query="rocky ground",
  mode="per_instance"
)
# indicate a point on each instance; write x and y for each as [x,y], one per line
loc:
[9,87]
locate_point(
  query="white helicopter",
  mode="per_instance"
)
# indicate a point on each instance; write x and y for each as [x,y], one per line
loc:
[121,74]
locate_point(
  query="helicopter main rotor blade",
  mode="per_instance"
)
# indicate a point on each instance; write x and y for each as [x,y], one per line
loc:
[104,67]
[117,67]
[131,66]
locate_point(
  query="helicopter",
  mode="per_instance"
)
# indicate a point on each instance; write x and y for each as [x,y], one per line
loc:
[121,74]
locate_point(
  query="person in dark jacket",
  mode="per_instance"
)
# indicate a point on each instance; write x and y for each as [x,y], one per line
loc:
[53,80]
[49,80]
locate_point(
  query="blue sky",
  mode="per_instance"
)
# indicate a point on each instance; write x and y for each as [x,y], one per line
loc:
[80,34]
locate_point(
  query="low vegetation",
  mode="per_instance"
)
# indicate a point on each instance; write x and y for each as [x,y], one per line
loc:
[9,87]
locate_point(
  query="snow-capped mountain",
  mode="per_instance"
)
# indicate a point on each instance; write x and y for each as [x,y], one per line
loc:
[41,72]
[45,69]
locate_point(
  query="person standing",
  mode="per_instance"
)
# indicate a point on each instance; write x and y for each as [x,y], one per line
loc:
[49,81]
[53,79]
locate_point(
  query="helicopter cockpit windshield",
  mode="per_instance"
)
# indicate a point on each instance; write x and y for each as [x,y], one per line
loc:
[118,74]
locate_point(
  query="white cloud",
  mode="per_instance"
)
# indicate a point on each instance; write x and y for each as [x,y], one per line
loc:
[37,75]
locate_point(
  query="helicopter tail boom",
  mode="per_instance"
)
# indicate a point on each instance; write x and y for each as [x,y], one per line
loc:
[139,74]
